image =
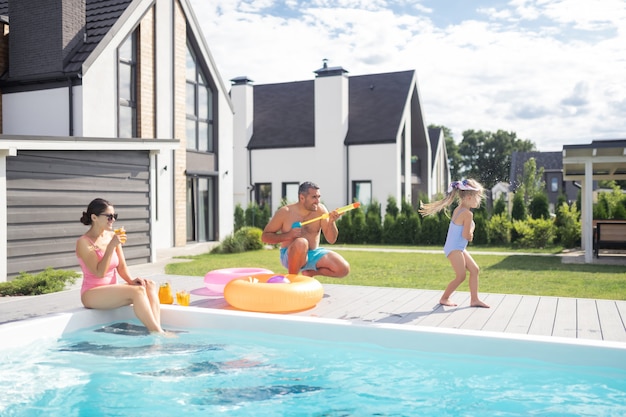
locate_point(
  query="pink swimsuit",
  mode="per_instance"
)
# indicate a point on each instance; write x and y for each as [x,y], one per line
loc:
[92,281]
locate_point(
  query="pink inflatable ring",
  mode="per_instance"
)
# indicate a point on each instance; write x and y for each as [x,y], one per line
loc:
[216,280]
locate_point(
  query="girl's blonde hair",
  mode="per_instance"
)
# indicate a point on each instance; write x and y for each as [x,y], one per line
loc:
[456,189]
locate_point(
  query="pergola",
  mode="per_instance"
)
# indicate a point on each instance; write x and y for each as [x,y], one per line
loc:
[599,160]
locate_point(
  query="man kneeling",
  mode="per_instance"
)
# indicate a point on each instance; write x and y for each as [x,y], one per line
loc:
[299,246]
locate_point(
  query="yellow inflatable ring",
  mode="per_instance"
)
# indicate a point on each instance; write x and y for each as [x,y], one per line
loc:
[300,294]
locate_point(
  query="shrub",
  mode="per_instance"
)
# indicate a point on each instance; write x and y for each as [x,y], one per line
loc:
[240,217]
[499,229]
[568,225]
[481,232]
[500,206]
[389,228]
[359,231]
[257,216]
[245,239]
[373,226]
[431,230]
[539,207]
[534,233]
[48,281]
[344,225]
[392,207]
[518,211]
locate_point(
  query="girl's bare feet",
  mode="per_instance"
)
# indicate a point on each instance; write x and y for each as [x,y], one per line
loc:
[479,303]
[447,302]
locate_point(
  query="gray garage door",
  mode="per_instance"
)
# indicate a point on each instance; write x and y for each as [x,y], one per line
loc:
[47,191]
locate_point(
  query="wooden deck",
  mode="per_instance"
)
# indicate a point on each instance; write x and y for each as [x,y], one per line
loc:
[519,314]
[516,314]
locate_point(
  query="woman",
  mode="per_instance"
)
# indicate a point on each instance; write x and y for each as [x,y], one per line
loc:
[101,258]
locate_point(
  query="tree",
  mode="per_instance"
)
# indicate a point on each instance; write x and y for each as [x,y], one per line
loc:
[532,182]
[539,207]
[486,156]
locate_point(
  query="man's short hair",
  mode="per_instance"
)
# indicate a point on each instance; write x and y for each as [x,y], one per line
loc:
[306,186]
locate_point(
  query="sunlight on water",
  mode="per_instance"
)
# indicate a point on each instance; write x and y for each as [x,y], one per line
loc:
[202,372]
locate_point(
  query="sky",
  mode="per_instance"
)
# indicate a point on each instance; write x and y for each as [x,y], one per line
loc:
[551,71]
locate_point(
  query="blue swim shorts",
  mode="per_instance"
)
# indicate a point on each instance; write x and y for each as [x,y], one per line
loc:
[313,256]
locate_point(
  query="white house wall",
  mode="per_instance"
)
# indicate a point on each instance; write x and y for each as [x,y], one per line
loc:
[37,113]
[226,169]
[100,97]
[365,165]
[276,166]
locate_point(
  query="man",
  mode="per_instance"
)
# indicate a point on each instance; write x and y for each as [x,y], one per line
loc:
[299,246]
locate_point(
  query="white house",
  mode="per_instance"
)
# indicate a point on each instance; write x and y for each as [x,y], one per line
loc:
[118,99]
[359,138]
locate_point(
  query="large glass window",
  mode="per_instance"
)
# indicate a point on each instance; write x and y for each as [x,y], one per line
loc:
[127,87]
[290,192]
[199,107]
[362,192]
[263,194]
[201,209]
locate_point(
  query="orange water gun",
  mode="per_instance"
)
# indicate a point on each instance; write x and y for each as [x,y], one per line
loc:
[326,215]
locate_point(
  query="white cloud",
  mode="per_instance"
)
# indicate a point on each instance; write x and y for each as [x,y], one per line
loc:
[549,70]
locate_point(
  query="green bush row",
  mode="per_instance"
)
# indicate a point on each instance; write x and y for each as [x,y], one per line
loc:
[530,224]
[45,282]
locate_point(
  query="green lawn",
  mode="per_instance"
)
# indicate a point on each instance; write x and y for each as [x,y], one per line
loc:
[504,274]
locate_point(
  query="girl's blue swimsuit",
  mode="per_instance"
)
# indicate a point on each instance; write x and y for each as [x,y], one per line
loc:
[455,239]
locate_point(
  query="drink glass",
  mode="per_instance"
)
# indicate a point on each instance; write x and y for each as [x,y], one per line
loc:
[122,233]
[165,293]
[182,298]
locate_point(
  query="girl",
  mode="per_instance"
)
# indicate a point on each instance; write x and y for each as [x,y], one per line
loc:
[101,259]
[461,231]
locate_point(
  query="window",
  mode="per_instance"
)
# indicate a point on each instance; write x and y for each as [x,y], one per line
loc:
[199,107]
[201,209]
[554,184]
[290,192]
[127,87]
[362,192]
[263,194]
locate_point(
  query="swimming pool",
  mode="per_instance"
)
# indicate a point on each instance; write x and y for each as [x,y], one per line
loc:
[243,364]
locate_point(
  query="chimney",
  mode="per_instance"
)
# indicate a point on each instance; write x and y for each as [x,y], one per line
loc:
[242,97]
[331,106]
[42,34]
[331,128]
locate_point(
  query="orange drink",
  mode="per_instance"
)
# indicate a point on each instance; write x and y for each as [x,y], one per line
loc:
[165,293]
[182,298]
[121,232]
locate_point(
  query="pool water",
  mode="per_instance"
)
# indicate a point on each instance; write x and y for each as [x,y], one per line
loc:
[230,372]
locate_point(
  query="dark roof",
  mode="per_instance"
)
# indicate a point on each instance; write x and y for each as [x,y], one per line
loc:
[377,103]
[433,136]
[101,15]
[550,161]
[283,116]
[603,143]
[284,113]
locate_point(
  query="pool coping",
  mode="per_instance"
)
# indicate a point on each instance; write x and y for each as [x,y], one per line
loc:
[560,350]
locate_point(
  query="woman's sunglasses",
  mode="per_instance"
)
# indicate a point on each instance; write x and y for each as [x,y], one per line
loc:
[109,216]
